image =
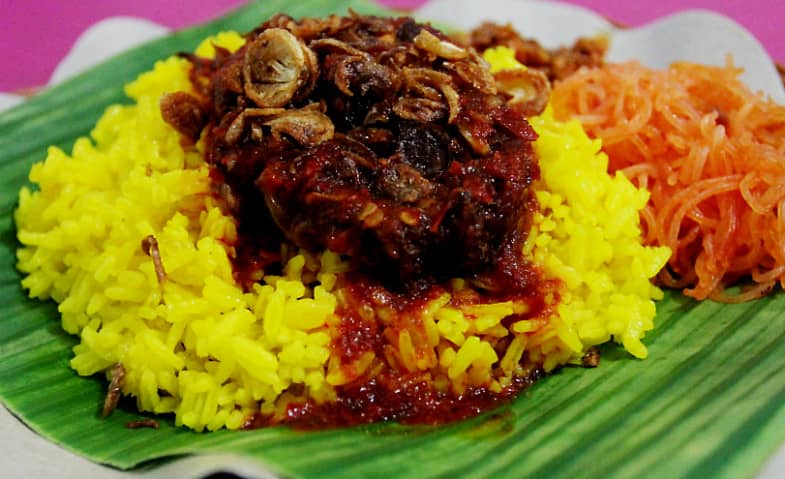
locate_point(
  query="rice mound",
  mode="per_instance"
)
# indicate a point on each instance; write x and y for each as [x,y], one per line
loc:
[587,235]
[198,346]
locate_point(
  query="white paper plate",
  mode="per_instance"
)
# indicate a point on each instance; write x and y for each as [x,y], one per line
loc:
[697,36]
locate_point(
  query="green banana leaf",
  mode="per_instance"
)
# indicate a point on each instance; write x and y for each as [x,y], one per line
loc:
[709,401]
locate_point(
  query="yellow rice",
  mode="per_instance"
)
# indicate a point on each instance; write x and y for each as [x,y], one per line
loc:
[200,347]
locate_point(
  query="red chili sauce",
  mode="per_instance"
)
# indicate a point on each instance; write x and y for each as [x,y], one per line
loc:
[392,394]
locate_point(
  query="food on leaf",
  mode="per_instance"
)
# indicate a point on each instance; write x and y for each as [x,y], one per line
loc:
[344,220]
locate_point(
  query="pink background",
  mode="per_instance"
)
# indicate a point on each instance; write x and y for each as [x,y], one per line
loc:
[37,33]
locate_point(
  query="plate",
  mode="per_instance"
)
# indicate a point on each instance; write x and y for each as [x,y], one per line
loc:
[696,36]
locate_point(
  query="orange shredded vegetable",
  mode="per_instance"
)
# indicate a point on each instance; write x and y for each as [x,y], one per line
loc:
[711,152]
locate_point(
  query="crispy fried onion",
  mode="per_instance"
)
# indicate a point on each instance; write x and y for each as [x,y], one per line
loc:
[429,42]
[278,68]
[150,248]
[184,112]
[142,423]
[430,96]
[114,390]
[307,126]
[528,89]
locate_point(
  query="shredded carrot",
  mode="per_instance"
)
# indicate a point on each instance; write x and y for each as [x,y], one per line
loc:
[711,152]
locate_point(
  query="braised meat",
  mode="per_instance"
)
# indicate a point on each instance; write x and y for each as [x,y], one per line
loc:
[556,64]
[378,138]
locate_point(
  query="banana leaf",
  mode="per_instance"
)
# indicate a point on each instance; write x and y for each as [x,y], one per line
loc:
[709,401]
